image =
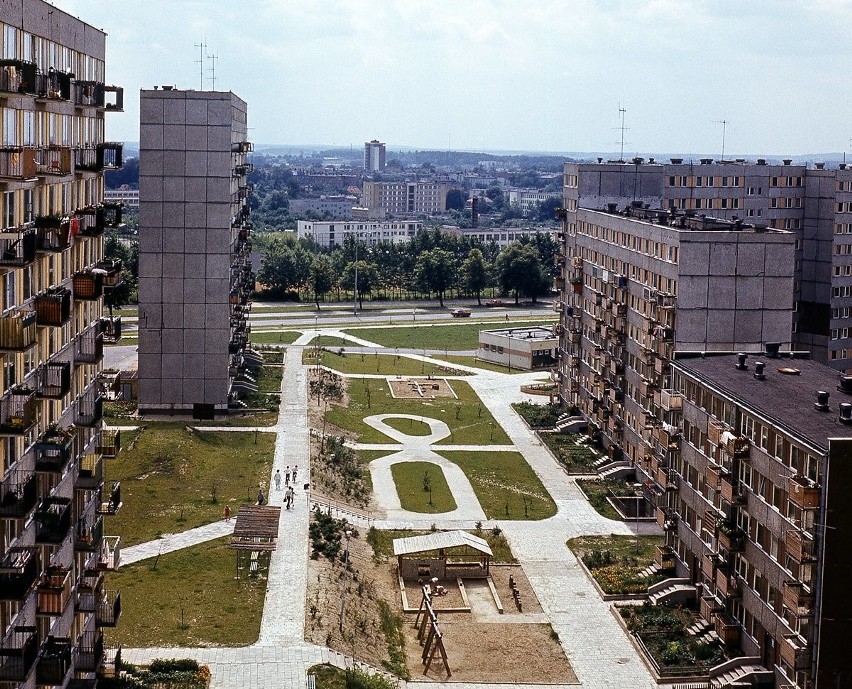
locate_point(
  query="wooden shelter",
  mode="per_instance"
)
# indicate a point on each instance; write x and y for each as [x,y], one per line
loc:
[443,554]
[255,537]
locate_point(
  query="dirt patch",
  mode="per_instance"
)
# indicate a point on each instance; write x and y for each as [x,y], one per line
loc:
[500,575]
[420,388]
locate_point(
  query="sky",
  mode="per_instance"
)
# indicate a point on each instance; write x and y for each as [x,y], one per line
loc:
[524,75]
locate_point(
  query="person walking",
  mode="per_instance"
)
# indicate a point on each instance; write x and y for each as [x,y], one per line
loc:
[277,478]
[227,513]
[287,476]
[291,496]
[295,469]
[261,498]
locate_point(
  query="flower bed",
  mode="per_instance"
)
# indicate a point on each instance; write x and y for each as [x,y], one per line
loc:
[539,415]
[575,458]
[615,562]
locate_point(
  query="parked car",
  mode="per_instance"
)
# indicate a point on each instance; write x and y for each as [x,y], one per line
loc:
[494,302]
[460,313]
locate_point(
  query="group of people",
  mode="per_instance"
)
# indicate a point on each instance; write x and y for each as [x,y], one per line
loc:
[289,488]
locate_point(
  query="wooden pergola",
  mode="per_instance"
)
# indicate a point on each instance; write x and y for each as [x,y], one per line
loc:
[255,537]
[443,554]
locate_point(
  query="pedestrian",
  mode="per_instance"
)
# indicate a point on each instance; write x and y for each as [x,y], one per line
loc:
[277,478]
[287,476]
[227,513]
[287,498]
[261,498]
[291,496]
[295,469]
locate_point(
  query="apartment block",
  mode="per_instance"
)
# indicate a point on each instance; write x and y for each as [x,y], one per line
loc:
[528,200]
[53,283]
[329,233]
[374,156]
[194,268]
[751,488]
[406,198]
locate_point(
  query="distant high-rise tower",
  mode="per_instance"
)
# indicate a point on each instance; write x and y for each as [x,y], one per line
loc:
[374,156]
[194,271]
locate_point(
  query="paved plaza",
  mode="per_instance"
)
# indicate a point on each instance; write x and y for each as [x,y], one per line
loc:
[599,651]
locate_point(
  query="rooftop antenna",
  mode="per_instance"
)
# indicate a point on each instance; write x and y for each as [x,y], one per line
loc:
[212,69]
[622,112]
[201,48]
[724,124]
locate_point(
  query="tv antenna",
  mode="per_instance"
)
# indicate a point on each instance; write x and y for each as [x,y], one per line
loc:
[212,69]
[200,62]
[622,112]
[724,124]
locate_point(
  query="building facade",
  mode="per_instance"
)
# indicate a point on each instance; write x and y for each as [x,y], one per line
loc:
[530,348]
[126,196]
[53,501]
[751,484]
[374,156]
[194,249]
[528,200]
[406,198]
[329,233]
[337,207]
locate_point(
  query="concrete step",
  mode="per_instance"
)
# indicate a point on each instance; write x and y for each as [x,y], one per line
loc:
[673,593]
[615,470]
[746,675]
[649,571]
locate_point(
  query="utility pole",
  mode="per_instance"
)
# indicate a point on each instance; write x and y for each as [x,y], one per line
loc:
[202,47]
[622,112]
[724,124]
[212,70]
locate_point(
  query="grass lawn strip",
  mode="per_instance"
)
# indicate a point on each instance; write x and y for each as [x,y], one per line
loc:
[448,336]
[174,479]
[329,341]
[408,426]
[274,336]
[597,490]
[412,480]
[478,363]
[469,420]
[506,486]
[576,458]
[355,363]
[382,542]
[218,610]
[616,561]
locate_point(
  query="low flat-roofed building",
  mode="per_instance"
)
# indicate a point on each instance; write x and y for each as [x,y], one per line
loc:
[530,348]
[129,197]
[331,233]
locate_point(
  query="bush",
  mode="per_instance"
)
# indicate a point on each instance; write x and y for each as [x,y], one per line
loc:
[539,415]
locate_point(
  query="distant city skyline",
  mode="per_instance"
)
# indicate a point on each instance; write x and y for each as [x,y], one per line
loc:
[546,76]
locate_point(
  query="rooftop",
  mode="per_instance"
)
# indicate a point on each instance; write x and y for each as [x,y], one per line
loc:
[784,398]
[689,220]
[439,540]
[533,332]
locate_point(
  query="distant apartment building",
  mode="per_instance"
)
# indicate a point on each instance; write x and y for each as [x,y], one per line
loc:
[194,251]
[528,200]
[406,198]
[374,156]
[337,207]
[328,233]
[125,195]
[54,600]
[501,236]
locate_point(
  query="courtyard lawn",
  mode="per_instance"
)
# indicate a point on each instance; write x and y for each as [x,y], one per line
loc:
[412,480]
[274,336]
[576,458]
[382,542]
[355,363]
[616,561]
[450,336]
[187,598]
[174,479]
[597,491]
[329,341]
[506,486]
[409,426]
[469,420]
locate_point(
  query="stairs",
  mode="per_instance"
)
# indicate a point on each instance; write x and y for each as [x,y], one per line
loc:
[671,591]
[615,470]
[570,424]
[741,672]
[649,571]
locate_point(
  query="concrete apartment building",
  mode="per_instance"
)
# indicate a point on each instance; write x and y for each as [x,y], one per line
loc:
[528,200]
[374,156]
[194,269]
[126,196]
[406,198]
[53,277]
[329,233]
[750,482]
[337,207]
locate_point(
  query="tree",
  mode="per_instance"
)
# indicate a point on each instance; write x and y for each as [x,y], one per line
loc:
[456,199]
[321,277]
[547,209]
[475,273]
[284,267]
[368,278]
[128,254]
[436,272]
[520,271]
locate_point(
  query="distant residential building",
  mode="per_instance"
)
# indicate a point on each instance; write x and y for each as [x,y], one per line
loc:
[338,207]
[129,197]
[374,156]
[502,236]
[529,348]
[407,198]
[528,200]
[328,233]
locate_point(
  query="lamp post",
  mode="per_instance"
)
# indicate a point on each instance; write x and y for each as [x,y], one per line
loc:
[348,535]
[355,299]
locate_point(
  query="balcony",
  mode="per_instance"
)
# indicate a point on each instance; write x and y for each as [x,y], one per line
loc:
[53,450]
[53,518]
[112,662]
[795,652]
[709,607]
[109,553]
[799,546]
[88,285]
[54,661]
[53,85]
[110,271]
[17,76]
[110,155]
[727,583]
[18,411]
[111,328]
[803,493]
[713,475]
[53,161]
[17,246]
[730,537]
[112,504]
[86,159]
[18,654]
[17,331]
[18,494]
[242,147]
[109,610]
[89,347]
[53,233]
[112,214]
[90,651]
[53,380]
[89,94]
[738,447]
[89,408]
[728,629]
[54,591]
[88,535]
[797,599]
[89,591]
[109,444]
[53,307]
[671,400]
[91,474]
[19,570]
[90,221]
[114,98]
[664,558]
[17,163]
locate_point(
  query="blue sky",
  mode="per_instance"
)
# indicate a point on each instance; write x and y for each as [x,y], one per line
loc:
[545,75]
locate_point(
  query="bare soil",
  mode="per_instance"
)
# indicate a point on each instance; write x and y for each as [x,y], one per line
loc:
[420,388]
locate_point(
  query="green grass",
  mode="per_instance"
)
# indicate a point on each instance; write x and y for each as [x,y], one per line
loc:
[355,363]
[269,379]
[409,426]
[169,474]
[478,363]
[616,561]
[451,336]
[274,337]
[506,486]
[597,490]
[576,458]
[382,543]
[217,608]
[330,677]
[330,341]
[410,479]
[469,420]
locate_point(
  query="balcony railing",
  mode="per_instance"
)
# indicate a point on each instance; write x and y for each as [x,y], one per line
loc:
[86,159]
[112,213]
[17,76]
[111,328]
[88,534]
[109,610]
[109,444]
[110,271]
[53,307]
[797,599]
[799,546]
[112,662]
[54,661]
[53,380]
[89,591]
[114,98]
[89,94]
[18,246]
[795,652]
[17,331]
[18,494]
[91,474]
[54,591]
[18,162]
[53,233]
[54,85]
[109,553]
[53,450]
[19,570]
[90,651]
[110,155]
[242,147]
[53,517]
[112,504]
[18,653]
[53,160]
[18,411]
[803,493]
[88,285]
[89,408]
[89,348]
[90,221]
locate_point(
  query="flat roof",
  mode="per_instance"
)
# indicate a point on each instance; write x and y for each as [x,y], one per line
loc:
[439,540]
[532,332]
[784,399]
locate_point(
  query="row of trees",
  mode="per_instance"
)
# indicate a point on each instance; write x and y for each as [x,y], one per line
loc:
[433,263]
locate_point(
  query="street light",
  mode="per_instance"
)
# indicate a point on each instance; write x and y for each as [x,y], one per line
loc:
[355,299]
[348,535]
